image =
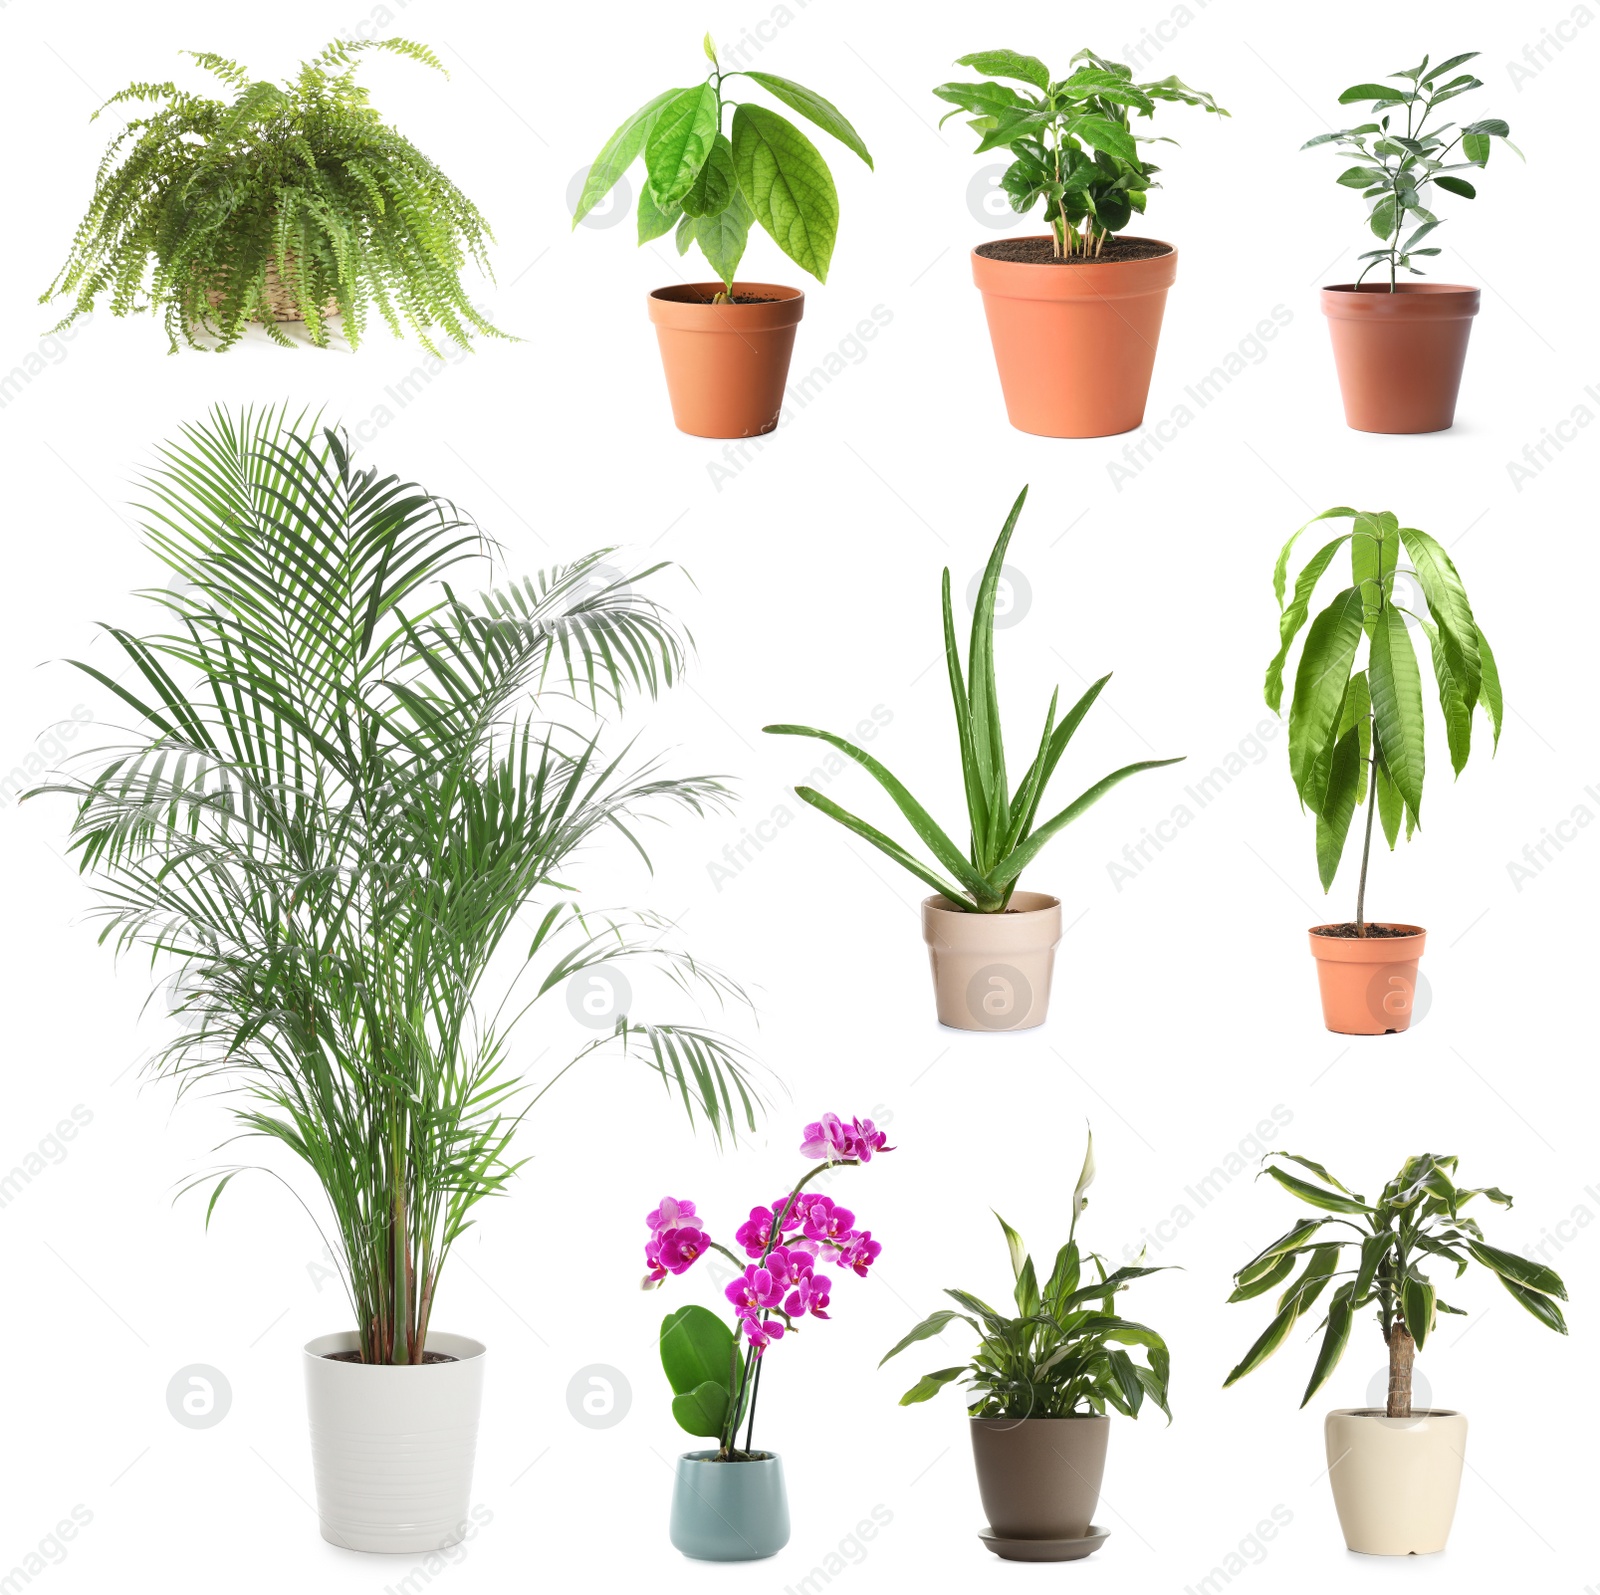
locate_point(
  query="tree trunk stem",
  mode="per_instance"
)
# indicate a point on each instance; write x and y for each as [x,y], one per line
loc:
[1402,1350]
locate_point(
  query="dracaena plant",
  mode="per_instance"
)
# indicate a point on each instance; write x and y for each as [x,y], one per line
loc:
[1356,727]
[709,177]
[1005,833]
[213,213]
[1418,1223]
[715,1370]
[1072,141]
[1396,168]
[343,786]
[1062,1355]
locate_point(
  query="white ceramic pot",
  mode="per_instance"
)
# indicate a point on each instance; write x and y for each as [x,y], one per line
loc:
[992,971]
[393,1447]
[1395,1480]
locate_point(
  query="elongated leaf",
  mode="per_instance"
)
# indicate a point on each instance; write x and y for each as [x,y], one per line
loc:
[1535,1276]
[618,154]
[1541,1306]
[1105,135]
[1452,699]
[1008,64]
[680,141]
[811,105]
[723,236]
[883,843]
[1341,1311]
[1368,91]
[1391,806]
[1319,688]
[1397,705]
[1269,1274]
[1018,1252]
[1492,700]
[1416,1305]
[696,1347]
[652,220]
[921,821]
[1266,1343]
[930,1384]
[788,185]
[932,1325]
[1316,1195]
[1338,805]
[715,185]
[1447,600]
[1294,617]
[1289,1241]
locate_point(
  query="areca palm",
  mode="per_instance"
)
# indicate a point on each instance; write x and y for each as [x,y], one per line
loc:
[344,785]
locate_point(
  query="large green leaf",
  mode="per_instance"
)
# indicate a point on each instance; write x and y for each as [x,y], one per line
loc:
[1319,687]
[1536,1276]
[1416,1305]
[1317,1195]
[1396,687]
[1341,1310]
[1538,1304]
[932,1325]
[884,844]
[653,221]
[811,105]
[1266,1343]
[1105,135]
[702,1410]
[722,237]
[1447,669]
[1338,805]
[1291,1240]
[715,185]
[787,182]
[1447,600]
[618,154]
[930,1384]
[1008,64]
[1492,700]
[681,139]
[1294,616]
[697,1348]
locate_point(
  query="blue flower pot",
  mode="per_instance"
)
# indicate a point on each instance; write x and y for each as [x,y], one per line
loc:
[729,1511]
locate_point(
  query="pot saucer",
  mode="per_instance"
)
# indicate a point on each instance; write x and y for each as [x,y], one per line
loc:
[1045,1550]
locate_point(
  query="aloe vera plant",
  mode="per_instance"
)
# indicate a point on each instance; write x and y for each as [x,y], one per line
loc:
[1005,834]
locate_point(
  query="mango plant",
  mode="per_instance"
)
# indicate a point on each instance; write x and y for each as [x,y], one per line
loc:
[1396,171]
[1072,143]
[1005,831]
[1356,731]
[707,183]
[1418,1218]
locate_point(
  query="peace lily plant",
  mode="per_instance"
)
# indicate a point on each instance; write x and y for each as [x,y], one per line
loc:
[1005,833]
[1357,729]
[1400,347]
[342,787]
[713,165]
[1039,1388]
[1395,1474]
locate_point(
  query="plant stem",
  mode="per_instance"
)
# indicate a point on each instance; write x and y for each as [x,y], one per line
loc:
[755,1395]
[1366,845]
[1402,1351]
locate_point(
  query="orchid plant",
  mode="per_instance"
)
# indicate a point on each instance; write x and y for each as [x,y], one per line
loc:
[715,1370]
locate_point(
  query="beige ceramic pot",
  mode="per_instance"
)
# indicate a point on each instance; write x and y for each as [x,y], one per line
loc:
[992,971]
[1395,1480]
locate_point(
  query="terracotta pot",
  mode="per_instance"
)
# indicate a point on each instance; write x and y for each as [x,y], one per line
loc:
[992,971]
[726,364]
[1395,1480]
[1368,983]
[729,1511]
[1075,344]
[1039,1478]
[1399,354]
[392,1447]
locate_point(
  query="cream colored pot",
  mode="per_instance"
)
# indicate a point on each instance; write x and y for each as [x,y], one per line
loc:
[1395,1480]
[992,971]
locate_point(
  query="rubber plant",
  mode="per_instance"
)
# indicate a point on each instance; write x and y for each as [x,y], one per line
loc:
[1072,140]
[1395,171]
[708,177]
[1418,1222]
[343,786]
[1356,730]
[1005,833]
[291,201]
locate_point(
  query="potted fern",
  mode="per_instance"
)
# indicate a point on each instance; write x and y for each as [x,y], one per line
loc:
[1041,1387]
[991,946]
[340,790]
[1395,1473]
[292,202]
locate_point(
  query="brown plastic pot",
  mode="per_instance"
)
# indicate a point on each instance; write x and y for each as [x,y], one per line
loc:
[1039,1478]
[1368,984]
[1075,345]
[992,971]
[726,364]
[1399,355]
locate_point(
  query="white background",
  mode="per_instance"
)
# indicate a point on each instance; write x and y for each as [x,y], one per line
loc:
[1185,1008]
